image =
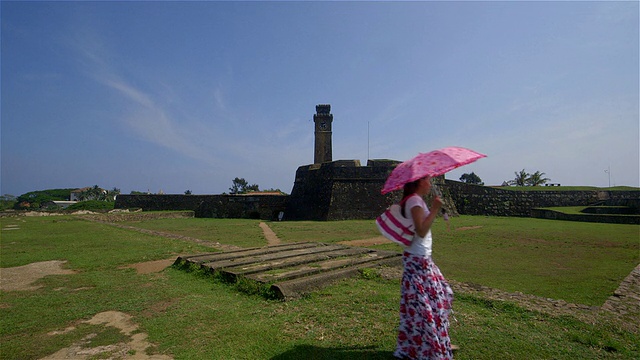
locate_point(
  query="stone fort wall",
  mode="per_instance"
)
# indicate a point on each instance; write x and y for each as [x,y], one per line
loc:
[339,190]
[482,200]
[344,190]
[336,190]
[265,207]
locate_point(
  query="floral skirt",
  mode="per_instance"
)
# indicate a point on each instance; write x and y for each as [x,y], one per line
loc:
[425,305]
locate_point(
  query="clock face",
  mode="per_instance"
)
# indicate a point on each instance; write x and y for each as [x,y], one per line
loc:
[323,125]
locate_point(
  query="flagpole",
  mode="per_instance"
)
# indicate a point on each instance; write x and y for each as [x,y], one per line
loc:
[368,157]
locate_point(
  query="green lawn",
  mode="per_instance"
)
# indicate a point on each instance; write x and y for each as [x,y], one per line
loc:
[195,317]
[567,188]
[577,262]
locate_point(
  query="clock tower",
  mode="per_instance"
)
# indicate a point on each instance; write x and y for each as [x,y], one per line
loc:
[322,119]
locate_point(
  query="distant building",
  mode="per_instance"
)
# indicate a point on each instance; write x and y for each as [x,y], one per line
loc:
[63,204]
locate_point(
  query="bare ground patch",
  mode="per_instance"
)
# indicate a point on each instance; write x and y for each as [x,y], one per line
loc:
[134,349]
[366,242]
[151,266]
[464,228]
[22,277]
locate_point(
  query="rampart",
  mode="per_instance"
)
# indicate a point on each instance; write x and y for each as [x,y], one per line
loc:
[343,190]
[599,218]
[339,190]
[483,200]
[257,206]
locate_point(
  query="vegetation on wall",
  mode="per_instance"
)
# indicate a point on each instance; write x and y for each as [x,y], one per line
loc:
[523,178]
[44,198]
[96,193]
[241,186]
[92,205]
[7,202]
[471,178]
[35,199]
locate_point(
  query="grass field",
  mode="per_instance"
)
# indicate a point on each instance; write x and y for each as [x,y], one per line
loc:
[578,262]
[567,188]
[189,316]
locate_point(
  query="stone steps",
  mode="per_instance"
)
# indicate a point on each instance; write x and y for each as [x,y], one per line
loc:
[292,269]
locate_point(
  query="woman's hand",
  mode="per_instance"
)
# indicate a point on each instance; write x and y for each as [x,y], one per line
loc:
[436,204]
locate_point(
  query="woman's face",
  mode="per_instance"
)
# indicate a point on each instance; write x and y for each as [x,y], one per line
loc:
[425,185]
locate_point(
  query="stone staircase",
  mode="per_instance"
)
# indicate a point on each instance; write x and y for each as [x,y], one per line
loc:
[294,269]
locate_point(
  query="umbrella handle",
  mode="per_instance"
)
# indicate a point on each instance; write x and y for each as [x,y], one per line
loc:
[435,190]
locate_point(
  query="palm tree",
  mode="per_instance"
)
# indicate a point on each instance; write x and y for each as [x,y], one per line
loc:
[110,195]
[521,178]
[96,193]
[537,179]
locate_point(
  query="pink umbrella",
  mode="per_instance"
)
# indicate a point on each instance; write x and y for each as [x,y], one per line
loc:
[433,163]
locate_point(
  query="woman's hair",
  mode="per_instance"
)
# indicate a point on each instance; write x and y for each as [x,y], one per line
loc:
[410,188]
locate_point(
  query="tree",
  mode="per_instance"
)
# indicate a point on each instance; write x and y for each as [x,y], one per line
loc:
[241,186]
[111,194]
[7,201]
[521,178]
[93,193]
[97,193]
[33,199]
[252,188]
[471,179]
[537,179]
[274,190]
[187,192]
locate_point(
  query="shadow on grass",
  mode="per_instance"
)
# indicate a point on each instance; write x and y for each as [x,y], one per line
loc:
[343,353]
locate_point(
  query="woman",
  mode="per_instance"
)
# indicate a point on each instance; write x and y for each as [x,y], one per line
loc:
[425,295]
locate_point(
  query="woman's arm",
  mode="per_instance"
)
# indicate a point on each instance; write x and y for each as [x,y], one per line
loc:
[424,224]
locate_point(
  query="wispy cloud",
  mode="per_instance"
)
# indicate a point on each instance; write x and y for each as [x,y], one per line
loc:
[148,115]
[132,94]
[218,96]
[216,142]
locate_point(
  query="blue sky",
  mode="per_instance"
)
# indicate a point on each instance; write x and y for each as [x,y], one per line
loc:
[177,96]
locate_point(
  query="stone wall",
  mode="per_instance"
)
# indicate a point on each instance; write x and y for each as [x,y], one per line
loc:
[599,218]
[481,200]
[265,207]
[339,190]
[344,190]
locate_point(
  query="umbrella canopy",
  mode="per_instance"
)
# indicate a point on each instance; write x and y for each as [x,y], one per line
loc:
[433,163]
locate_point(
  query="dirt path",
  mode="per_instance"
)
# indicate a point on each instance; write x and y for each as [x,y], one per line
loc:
[150,267]
[272,238]
[366,242]
[378,240]
[212,244]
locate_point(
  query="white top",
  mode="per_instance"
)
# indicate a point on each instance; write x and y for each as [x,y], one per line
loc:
[419,245]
